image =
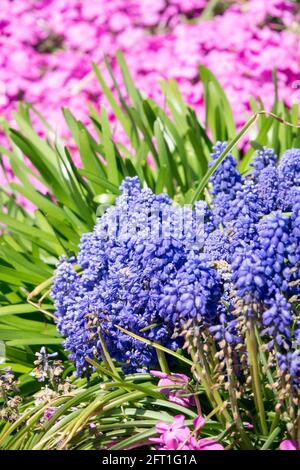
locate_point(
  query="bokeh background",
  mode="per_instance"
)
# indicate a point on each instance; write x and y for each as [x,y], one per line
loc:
[46,49]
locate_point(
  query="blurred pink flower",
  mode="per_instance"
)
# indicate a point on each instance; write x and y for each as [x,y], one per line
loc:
[43,40]
[288,444]
[47,46]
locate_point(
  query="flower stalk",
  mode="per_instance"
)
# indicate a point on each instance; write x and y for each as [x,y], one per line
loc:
[255,375]
[205,379]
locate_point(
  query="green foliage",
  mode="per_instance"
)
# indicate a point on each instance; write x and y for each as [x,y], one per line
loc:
[126,409]
[178,145]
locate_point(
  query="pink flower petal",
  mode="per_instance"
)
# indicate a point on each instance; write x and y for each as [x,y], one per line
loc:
[159,374]
[288,444]
[161,426]
[178,421]
[199,422]
[209,444]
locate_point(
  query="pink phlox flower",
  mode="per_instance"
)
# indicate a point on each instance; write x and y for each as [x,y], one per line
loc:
[288,444]
[209,444]
[175,395]
[177,436]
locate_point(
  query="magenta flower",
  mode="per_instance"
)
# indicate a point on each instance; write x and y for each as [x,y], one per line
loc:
[177,436]
[288,444]
[199,422]
[159,374]
[175,395]
[49,413]
[209,444]
[171,436]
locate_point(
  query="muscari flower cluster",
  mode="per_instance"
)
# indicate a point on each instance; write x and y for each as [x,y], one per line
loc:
[47,367]
[124,264]
[49,370]
[133,273]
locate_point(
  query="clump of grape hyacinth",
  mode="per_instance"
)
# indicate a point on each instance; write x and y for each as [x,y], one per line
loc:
[136,248]
[219,273]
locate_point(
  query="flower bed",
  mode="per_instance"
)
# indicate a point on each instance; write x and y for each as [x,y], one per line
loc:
[45,59]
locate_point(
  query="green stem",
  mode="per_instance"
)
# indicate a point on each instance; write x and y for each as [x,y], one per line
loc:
[107,358]
[212,394]
[208,11]
[255,376]
[162,361]
[232,144]
[298,425]
[275,421]
[223,155]
[271,439]
[198,405]
[245,441]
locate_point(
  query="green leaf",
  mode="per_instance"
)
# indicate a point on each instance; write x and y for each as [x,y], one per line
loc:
[101,181]
[176,105]
[39,237]
[110,155]
[19,309]
[72,124]
[89,159]
[156,345]
[216,103]
[31,339]
[164,157]
[19,368]
[141,437]
[219,160]
[110,98]
[24,324]
[131,89]
[273,436]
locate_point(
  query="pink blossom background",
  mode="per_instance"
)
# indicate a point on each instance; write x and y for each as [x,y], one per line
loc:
[46,49]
